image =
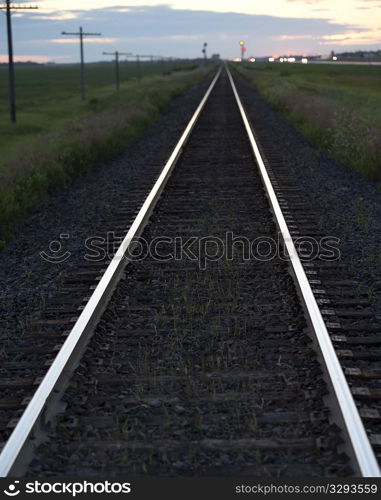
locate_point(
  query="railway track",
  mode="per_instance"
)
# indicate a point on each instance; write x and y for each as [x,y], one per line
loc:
[201,358]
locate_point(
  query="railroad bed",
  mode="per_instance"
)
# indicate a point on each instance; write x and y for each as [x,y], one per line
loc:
[208,366]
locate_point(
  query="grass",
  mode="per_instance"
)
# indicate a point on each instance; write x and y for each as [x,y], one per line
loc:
[58,137]
[335,107]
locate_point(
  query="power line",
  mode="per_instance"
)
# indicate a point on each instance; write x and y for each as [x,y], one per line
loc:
[116,54]
[8,7]
[139,57]
[81,34]
[151,57]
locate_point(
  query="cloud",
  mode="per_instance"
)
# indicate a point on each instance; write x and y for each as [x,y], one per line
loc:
[164,21]
[58,16]
[305,1]
[187,37]
[175,32]
[313,2]
[369,4]
[88,39]
[353,38]
[294,37]
[26,58]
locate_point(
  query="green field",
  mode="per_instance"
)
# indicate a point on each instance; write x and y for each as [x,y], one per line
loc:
[336,107]
[48,96]
[58,136]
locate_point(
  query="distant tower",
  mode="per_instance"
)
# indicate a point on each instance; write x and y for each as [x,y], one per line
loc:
[243,49]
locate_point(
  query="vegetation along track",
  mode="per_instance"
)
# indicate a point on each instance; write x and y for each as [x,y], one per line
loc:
[203,365]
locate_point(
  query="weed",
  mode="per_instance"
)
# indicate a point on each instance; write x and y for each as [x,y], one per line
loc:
[72,137]
[335,108]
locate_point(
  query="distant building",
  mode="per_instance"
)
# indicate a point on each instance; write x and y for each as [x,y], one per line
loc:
[215,57]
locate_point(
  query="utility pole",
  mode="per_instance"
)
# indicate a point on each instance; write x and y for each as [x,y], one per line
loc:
[138,59]
[8,7]
[81,35]
[139,74]
[116,54]
[159,59]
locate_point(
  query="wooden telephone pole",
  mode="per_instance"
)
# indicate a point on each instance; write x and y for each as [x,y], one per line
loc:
[8,7]
[81,34]
[116,54]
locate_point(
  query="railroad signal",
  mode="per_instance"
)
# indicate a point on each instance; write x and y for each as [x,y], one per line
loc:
[116,54]
[81,35]
[204,50]
[8,7]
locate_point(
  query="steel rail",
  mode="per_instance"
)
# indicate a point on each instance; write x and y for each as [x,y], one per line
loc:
[361,446]
[53,384]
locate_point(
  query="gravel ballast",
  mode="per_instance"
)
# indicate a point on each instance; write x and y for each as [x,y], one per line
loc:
[79,211]
[200,367]
[348,206]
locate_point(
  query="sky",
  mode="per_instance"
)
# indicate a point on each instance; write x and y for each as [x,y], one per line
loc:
[178,28]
